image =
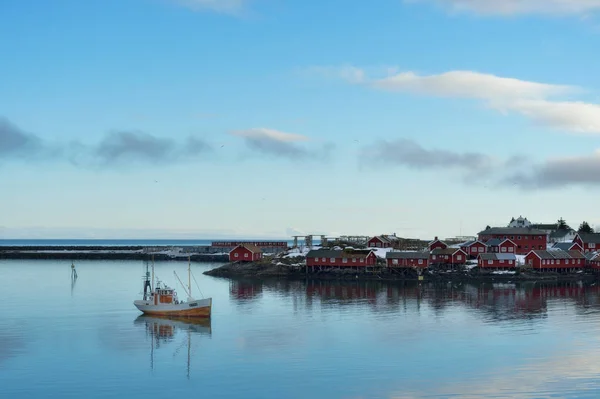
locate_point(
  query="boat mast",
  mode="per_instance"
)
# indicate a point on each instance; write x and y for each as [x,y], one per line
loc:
[152,273]
[189,276]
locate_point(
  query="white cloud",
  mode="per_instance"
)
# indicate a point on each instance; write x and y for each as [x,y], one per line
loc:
[469,84]
[269,134]
[518,7]
[527,98]
[578,117]
[222,6]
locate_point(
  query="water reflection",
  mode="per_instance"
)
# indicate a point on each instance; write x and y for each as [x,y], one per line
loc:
[162,331]
[495,302]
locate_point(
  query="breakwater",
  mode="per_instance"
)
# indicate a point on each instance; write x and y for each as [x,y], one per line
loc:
[196,254]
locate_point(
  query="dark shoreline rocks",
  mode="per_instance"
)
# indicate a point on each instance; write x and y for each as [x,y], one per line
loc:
[269,270]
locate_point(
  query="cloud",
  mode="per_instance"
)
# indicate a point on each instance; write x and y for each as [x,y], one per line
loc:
[220,6]
[541,103]
[15,142]
[119,147]
[518,7]
[560,172]
[408,153]
[469,84]
[281,144]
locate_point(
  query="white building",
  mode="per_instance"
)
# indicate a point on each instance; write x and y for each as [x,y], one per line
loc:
[519,222]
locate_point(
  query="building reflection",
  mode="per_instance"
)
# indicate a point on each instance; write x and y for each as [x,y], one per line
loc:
[245,290]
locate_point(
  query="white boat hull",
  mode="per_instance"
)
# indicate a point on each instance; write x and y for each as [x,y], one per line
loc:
[193,308]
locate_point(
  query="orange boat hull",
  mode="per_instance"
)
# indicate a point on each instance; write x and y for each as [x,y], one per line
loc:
[196,312]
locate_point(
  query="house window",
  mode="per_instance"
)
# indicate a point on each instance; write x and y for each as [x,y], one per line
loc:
[592,245]
[541,247]
[237,255]
[512,237]
[395,261]
[552,261]
[332,260]
[458,257]
[503,249]
[481,249]
[324,259]
[518,237]
[433,257]
[362,260]
[344,260]
[420,261]
[316,259]
[353,260]
[245,255]
[510,262]
[501,260]
[526,246]
[511,249]
[490,262]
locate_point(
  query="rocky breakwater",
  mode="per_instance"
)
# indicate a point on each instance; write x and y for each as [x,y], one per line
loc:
[106,253]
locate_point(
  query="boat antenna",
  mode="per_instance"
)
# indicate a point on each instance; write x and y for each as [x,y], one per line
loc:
[152,272]
[189,276]
[147,285]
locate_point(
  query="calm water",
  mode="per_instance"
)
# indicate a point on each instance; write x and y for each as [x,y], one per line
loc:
[293,340]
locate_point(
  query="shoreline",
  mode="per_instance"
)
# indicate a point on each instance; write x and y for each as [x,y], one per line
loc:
[263,270]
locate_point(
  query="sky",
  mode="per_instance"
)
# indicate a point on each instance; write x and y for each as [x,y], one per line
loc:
[268,118]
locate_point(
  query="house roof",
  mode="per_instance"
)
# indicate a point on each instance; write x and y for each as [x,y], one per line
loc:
[469,243]
[560,233]
[565,246]
[590,238]
[590,255]
[495,256]
[544,226]
[406,255]
[436,240]
[251,247]
[446,251]
[494,242]
[558,254]
[337,253]
[512,231]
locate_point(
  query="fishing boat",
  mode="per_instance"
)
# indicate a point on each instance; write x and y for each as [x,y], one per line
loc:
[162,300]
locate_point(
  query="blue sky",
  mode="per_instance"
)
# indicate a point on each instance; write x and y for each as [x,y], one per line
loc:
[206,118]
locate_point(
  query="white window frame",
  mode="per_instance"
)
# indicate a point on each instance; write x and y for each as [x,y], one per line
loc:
[236,255]
[344,260]
[420,261]
[490,262]
[331,260]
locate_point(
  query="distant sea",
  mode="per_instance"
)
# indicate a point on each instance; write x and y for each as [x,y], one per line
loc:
[120,242]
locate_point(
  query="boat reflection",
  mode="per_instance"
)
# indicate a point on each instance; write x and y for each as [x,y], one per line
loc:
[163,330]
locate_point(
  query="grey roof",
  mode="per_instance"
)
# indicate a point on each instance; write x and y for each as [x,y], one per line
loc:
[544,226]
[495,256]
[590,238]
[494,242]
[565,246]
[469,243]
[406,255]
[558,254]
[336,253]
[446,251]
[512,231]
[590,255]
[560,233]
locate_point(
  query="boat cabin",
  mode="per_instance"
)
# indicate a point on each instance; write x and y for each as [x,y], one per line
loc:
[165,295]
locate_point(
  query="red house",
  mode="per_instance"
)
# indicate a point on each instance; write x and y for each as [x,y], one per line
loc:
[437,244]
[496,261]
[592,260]
[245,253]
[525,238]
[507,247]
[590,242]
[568,246]
[382,241]
[407,259]
[555,260]
[473,248]
[341,258]
[448,256]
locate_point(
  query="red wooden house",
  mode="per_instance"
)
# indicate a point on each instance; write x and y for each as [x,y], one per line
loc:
[568,246]
[497,261]
[526,239]
[507,247]
[590,242]
[341,258]
[382,241]
[407,259]
[448,256]
[592,259]
[437,244]
[245,253]
[555,260]
[473,248]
